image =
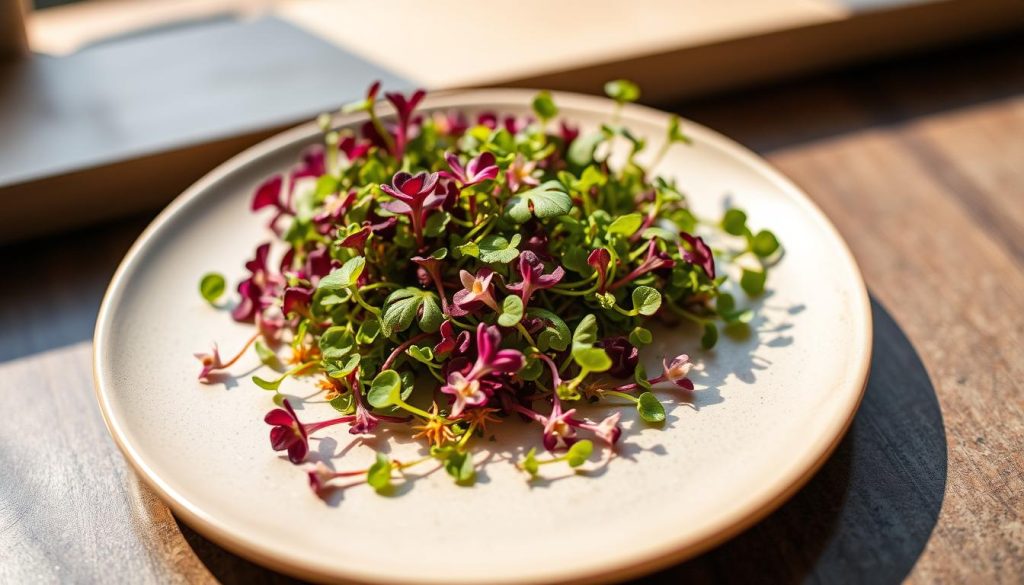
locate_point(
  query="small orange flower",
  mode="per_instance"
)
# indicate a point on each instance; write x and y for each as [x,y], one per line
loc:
[434,429]
[302,354]
[328,385]
[479,417]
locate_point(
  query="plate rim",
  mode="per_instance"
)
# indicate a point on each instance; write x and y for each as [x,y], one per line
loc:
[652,558]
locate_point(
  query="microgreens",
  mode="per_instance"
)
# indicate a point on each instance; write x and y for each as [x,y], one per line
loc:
[495,268]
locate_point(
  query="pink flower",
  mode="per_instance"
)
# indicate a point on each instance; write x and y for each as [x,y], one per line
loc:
[211,361]
[404,108]
[289,434]
[471,389]
[334,208]
[256,289]
[271,193]
[451,342]
[352,148]
[697,252]
[297,300]
[558,429]
[356,240]
[520,173]
[475,289]
[477,170]
[319,475]
[467,392]
[415,195]
[655,259]
[531,269]
[677,371]
[313,165]
[489,357]
[607,430]
[452,123]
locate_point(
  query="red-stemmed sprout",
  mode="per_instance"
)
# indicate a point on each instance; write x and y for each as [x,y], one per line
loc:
[531,270]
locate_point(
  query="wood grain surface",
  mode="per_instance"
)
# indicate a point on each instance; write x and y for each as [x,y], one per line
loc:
[920,164]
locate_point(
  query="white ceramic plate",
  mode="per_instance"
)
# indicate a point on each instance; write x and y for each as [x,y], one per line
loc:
[768,410]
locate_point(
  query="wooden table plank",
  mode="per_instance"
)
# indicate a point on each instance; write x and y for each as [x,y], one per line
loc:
[917,164]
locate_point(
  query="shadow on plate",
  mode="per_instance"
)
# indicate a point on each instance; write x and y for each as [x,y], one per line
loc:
[865,516]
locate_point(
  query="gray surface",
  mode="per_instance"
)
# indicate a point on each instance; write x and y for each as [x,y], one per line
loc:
[110,102]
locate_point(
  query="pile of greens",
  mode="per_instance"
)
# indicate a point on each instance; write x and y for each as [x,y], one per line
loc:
[482,269]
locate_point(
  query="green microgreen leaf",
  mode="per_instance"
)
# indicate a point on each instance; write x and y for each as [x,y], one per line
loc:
[646,300]
[591,177]
[379,474]
[764,244]
[579,453]
[368,332]
[660,233]
[343,403]
[547,200]
[421,353]
[531,370]
[266,355]
[336,342]
[710,337]
[555,334]
[436,224]
[650,408]
[530,464]
[640,336]
[544,106]
[267,384]
[404,305]
[385,390]
[640,376]
[495,249]
[622,91]
[459,465]
[675,131]
[585,334]
[345,277]
[626,225]
[581,151]
[752,282]
[342,367]
[735,222]
[511,311]
[725,303]
[593,359]
[212,286]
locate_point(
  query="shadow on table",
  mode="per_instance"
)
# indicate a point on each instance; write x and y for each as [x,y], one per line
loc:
[865,517]
[867,514]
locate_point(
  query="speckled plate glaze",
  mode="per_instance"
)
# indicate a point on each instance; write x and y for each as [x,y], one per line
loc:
[768,410]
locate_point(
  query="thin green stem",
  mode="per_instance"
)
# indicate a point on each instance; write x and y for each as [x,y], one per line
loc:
[377,285]
[364,304]
[620,395]
[526,334]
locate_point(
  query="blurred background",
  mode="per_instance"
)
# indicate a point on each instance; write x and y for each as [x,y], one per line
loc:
[110,108]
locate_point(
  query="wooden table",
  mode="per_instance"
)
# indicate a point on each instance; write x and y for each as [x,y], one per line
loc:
[920,164]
